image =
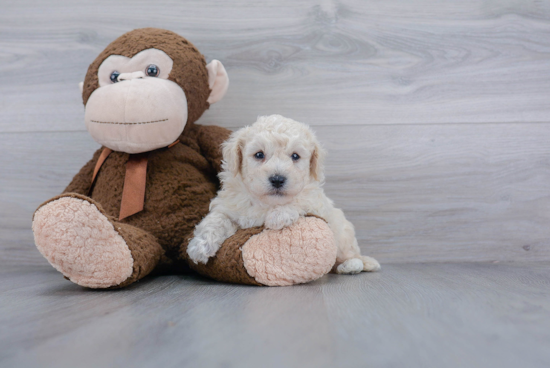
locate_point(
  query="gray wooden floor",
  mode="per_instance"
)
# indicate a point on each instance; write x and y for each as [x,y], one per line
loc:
[436,118]
[409,315]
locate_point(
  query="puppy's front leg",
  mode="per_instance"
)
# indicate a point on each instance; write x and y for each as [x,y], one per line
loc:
[210,234]
[281,216]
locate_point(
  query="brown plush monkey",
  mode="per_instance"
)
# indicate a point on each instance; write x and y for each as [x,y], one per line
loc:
[133,207]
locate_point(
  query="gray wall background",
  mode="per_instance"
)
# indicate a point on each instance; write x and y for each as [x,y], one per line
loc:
[435,113]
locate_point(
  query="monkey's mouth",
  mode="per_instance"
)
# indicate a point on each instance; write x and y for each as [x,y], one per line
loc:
[130,123]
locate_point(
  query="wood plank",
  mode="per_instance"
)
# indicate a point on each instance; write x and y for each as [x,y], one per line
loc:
[436,193]
[416,193]
[322,62]
[410,315]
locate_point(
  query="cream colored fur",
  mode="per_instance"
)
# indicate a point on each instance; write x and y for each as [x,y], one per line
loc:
[248,198]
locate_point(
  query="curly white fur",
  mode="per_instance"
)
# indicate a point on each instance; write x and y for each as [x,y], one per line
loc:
[248,198]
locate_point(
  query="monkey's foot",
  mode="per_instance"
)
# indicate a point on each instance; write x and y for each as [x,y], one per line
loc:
[299,253]
[79,241]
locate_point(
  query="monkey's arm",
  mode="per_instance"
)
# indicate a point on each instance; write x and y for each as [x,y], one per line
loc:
[210,138]
[82,181]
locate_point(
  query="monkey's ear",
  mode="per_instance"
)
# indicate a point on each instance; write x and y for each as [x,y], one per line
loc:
[218,81]
[81,86]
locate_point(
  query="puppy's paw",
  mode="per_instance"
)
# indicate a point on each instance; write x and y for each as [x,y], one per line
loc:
[370,264]
[200,249]
[350,266]
[281,217]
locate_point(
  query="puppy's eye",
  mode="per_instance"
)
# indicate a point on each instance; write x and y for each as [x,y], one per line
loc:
[114,76]
[259,155]
[295,157]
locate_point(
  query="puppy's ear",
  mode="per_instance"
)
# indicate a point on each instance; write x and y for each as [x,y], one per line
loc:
[232,151]
[317,161]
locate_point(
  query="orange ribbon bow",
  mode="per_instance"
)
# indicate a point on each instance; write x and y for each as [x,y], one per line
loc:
[133,193]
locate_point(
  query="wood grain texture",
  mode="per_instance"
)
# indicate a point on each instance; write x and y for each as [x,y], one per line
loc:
[412,315]
[416,193]
[319,61]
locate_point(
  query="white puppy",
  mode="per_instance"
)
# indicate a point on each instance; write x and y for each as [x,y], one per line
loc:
[273,174]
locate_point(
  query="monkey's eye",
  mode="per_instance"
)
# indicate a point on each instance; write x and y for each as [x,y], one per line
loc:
[114,76]
[295,157]
[259,155]
[152,70]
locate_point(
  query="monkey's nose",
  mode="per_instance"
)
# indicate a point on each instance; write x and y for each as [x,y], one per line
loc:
[277,181]
[130,76]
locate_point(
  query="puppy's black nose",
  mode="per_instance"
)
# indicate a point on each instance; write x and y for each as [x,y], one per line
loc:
[277,181]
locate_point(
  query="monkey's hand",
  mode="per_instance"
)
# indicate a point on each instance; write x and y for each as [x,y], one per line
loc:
[210,234]
[281,216]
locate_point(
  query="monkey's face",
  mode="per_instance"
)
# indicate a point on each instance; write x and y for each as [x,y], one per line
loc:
[143,89]
[136,108]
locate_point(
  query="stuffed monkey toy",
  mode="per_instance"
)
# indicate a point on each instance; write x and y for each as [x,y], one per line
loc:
[132,208]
